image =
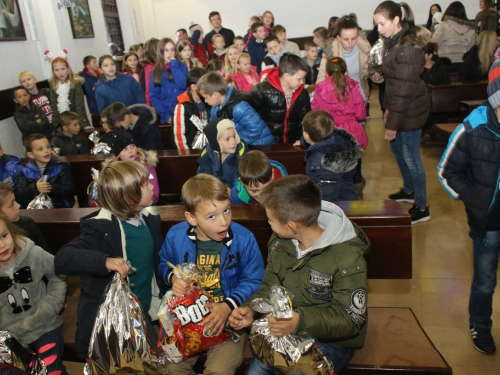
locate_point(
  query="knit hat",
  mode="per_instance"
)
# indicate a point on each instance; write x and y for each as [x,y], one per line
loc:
[119,140]
[192,26]
[215,128]
[493,89]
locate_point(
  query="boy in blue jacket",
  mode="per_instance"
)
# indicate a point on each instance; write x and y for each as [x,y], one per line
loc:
[221,249]
[10,167]
[256,47]
[227,102]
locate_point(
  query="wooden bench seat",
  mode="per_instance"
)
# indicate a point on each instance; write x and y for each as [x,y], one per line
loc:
[447,98]
[386,223]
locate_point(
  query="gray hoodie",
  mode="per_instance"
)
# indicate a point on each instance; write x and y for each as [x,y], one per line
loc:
[28,306]
[454,37]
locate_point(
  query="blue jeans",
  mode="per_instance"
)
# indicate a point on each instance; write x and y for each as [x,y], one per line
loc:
[484,279]
[406,150]
[50,347]
[338,355]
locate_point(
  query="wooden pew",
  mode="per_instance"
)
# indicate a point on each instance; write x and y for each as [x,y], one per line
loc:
[447,98]
[386,223]
[470,105]
[175,166]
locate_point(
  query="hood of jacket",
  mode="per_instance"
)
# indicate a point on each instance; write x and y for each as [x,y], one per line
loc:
[409,37]
[343,161]
[235,96]
[273,77]
[119,76]
[150,157]
[458,25]
[144,111]
[486,13]
[484,114]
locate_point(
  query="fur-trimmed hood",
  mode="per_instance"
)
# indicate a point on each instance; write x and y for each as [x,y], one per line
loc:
[481,16]
[343,161]
[459,25]
[151,157]
[409,36]
[144,109]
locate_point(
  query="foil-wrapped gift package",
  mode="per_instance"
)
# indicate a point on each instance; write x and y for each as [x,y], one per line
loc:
[15,358]
[375,58]
[92,189]
[99,147]
[182,333]
[41,201]
[119,343]
[288,353]
[200,139]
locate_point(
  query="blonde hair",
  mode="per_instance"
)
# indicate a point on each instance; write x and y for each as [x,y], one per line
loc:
[16,232]
[145,157]
[202,188]
[120,187]
[24,74]
[72,77]
[228,67]
[485,51]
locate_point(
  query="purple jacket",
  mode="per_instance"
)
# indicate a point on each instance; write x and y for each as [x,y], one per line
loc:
[346,115]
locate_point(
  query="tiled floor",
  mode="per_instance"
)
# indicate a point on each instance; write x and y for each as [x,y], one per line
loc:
[442,260]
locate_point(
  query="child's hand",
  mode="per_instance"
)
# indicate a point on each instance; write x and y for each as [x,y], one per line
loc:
[117,265]
[43,187]
[180,287]
[296,143]
[217,318]
[241,317]
[281,327]
[38,120]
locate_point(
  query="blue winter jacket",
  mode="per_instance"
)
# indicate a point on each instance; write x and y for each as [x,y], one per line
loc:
[249,125]
[257,52]
[164,97]
[10,167]
[124,89]
[241,268]
[209,162]
[88,88]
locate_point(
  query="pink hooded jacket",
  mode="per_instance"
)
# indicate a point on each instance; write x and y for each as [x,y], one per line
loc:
[346,115]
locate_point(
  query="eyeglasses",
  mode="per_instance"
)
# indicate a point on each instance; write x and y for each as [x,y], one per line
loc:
[215,19]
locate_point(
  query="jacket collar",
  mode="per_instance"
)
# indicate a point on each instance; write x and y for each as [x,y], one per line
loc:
[274,79]
[227,241]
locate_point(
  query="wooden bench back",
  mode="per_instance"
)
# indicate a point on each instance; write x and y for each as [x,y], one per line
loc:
[446,98]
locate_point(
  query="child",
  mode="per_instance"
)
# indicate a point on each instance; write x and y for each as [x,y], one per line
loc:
[255,171]
[231,83]
[167,81]
[90,75]
[131,65]
[10,167]
[233,104]
[256,47]
[122,230]
[248,36]
[29,117]
[320,38]
[33,296]
[149,64]
[189,104]
[282,101]
[185,52]
[274,53]
[208,233]
[59,185]
[332,158]
[124,148]
[38,97]
[138,50]
[437,69]
[220,158]
[66,92]
[215,65]
[139,120]
[116,87]
[201,48]
[268,21]
[10,209]
[317,254]
[288,46]
[67,137]
[219,50]
[240,43]
[340,97]
[311,58]
[246,77]
[231,60]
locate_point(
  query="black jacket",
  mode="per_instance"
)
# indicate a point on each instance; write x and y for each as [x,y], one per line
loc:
[470,70]
[439,73]
[269,101]
[26,121]
[183,129]
[146,133]
[76,145]
[33,232]
[100,238]
[470,165]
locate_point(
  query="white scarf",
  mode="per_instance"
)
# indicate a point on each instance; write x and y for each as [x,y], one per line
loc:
[63,101]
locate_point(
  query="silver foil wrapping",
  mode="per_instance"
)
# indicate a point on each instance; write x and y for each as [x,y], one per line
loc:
[99,147]
[119,342]
[14,354]
[375,58]
[41,201]
[55,150]
[200,139]
[92,189]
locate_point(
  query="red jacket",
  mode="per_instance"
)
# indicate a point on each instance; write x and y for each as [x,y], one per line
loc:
[242,82]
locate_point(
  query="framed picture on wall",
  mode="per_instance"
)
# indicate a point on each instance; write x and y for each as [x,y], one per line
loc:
[81,23]
[11,22]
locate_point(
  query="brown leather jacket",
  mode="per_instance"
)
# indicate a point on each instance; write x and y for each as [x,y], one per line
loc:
[406,96]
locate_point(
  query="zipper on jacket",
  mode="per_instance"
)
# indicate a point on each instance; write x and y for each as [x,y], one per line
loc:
[497,187]
[327,182]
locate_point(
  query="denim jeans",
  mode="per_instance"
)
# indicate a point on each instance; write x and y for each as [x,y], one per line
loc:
[338,355]
[50,347]
[406,150]
[484,279]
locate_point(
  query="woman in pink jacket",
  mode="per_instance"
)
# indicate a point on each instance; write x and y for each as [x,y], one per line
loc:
[340,97]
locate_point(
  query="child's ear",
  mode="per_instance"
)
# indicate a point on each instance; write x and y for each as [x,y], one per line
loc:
[15,101]
[346,73]
[190,218]
[30,154]
[293,226]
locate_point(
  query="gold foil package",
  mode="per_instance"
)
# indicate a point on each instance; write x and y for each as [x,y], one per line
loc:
[42,200]
[99,147]
[15,356]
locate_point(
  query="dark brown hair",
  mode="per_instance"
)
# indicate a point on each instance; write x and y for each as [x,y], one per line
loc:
[68,116]
[32,138]
[391,10]
[255,168]
[212,82]
[336,68]
[319,125]
[160,62]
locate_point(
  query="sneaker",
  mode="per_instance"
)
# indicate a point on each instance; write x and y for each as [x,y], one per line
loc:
[482,339]
[417,215]
[413,208]
[402,196]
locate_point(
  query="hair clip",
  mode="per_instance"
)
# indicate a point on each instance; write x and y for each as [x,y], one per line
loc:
[336,70]
[335,60]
